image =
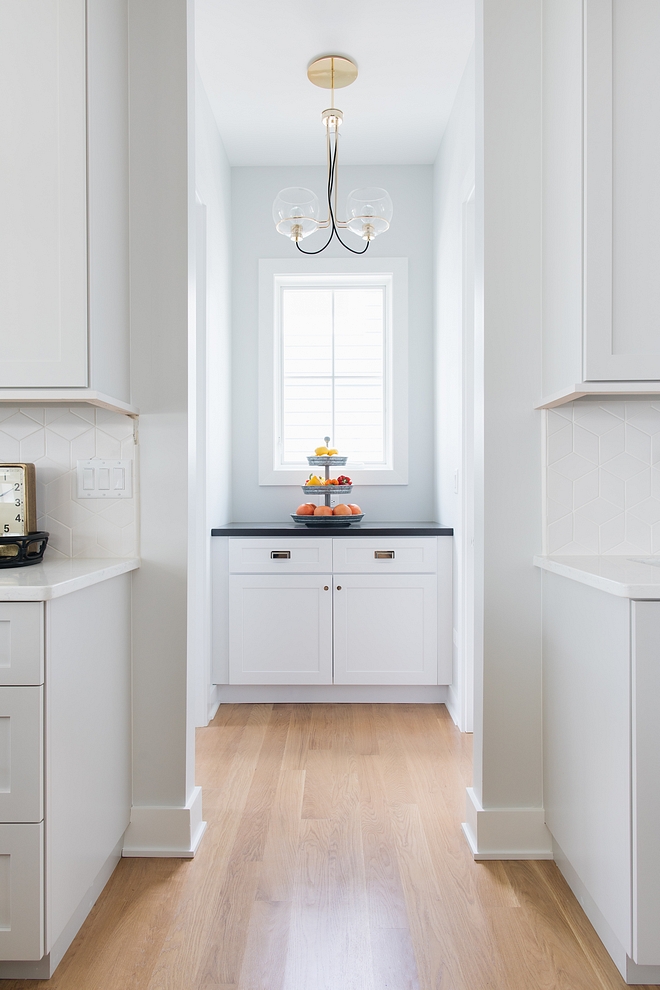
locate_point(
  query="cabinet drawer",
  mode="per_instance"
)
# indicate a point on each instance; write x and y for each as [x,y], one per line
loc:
[300,555]
[21,754]
[21,642]
[21,892]
[386,555]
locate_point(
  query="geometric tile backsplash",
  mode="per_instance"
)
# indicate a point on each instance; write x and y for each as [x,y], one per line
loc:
[54,438]
[603,477]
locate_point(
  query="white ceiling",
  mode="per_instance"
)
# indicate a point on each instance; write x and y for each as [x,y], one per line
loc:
[253,57]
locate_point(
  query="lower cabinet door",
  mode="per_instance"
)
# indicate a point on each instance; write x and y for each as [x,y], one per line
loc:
[280,629]
[385,629]
[21,892]
[21,754]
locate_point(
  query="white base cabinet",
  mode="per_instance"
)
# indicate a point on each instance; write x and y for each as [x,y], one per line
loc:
[385,629]
[320,611]
[280,629]
[65,766]
[601,685]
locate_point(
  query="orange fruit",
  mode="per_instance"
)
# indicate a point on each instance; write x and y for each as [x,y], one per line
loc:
[342,510]
[355,509]
[322,510]
[305,509]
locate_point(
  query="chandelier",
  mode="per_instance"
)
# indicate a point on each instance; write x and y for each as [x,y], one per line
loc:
[297,212]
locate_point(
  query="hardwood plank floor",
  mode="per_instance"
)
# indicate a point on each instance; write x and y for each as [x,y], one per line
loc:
[334,860]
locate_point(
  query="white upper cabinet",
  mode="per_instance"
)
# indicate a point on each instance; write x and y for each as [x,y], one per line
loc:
[601,162]
[63,195]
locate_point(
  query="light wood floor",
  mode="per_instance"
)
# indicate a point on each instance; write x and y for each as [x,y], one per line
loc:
[334,860]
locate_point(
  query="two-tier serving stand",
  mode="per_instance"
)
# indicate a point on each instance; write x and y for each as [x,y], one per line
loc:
[328,491]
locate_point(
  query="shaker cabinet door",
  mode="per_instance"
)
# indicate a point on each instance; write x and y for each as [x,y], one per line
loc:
[43,235]
[386,629]
[22,892]
[621,193]
[280,629]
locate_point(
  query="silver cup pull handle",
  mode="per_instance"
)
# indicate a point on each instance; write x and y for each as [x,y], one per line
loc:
[384,554]
[280,555]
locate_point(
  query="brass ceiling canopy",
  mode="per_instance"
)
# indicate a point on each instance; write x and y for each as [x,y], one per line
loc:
[332,72]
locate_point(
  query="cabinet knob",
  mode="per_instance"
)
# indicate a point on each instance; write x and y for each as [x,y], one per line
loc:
[384,554]
[280,555]
[338,587]
[325,587]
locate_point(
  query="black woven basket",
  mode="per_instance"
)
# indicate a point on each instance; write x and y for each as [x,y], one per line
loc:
[19,551]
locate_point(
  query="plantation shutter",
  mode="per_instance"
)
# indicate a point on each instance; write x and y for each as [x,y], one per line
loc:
[333,353]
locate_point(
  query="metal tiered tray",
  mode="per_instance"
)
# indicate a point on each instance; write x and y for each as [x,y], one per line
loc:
[325,521]
[324,489]
[327,491]
[335,461]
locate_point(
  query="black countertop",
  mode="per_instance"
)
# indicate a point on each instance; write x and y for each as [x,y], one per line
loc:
[355,529]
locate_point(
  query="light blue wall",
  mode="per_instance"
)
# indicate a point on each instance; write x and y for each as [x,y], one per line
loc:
[255,237]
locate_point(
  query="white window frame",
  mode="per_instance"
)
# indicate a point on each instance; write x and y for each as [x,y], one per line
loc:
[275,273]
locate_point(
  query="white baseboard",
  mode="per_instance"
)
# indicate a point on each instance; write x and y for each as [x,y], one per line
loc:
[338,694]
[505,833]
[44,968]
[166,832]
[213,702]
[632,973]
[452,707]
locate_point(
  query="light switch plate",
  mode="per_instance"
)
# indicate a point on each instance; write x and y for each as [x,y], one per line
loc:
[104,479]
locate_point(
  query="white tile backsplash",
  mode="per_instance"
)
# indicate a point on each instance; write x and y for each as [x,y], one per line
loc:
[603,477]
[54,438]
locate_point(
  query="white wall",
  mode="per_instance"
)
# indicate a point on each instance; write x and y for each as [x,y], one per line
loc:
[164,799]
[254,237]
[213,182]
[453,184]
[210,388]
[507,763]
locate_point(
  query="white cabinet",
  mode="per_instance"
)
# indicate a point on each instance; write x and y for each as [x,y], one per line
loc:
[280,631]
[601,661]
[22,891]
[385,629]
[64,195]
[321,610]
[601,198]
[65,774]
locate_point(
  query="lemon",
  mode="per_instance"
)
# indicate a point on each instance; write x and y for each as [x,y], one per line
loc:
[321,451]
[332,451]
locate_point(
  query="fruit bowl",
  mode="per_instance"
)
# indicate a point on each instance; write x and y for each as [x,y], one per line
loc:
[327,461]
[338,521]
[322,489]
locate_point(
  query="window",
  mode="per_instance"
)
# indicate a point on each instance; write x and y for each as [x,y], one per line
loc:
[333,362]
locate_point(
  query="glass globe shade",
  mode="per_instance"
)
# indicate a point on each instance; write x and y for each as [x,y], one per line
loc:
[296,212]
[369,211]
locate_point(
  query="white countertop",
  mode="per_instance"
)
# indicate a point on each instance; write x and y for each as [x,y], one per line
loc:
[627,577]
[54,578]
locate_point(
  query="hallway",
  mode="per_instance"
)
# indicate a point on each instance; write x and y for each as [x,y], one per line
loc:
[334,860]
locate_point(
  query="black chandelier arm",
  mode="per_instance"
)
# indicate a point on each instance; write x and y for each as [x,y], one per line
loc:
[331,184]
[302,251]
[333,231]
